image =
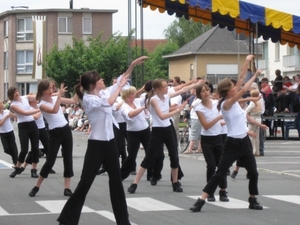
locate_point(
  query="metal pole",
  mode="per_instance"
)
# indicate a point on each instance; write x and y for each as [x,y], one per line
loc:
[129,32]
[142,40]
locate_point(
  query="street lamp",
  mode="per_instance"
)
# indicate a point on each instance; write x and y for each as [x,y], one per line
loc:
[5,65]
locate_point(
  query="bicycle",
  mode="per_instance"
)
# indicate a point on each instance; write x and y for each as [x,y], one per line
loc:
[184,137]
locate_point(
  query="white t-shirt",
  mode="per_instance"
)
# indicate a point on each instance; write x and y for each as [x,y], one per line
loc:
[39,121]
[54,120]
[6,126]
[236,121]
[24,105]
[164,107]
[136,123]
[210,114]
[117,113]
[194,104]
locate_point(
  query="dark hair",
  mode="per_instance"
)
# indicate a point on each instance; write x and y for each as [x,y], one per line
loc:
[10,92]
[42,86]
[177,79]
[86,79]
[199,89]
[148,88]
[157,83]
[265,80]
[277,72]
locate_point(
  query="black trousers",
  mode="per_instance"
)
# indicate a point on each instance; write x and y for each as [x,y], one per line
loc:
[8,141]
[28,131]
[120,136]
[98,152]
[159,136]
[59,137]
[235,148]
[44,138]
[212,147]
[134,139]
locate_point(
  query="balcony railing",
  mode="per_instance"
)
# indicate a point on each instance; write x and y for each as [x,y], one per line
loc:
[291,60]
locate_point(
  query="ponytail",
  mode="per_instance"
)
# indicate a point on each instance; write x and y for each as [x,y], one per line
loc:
[149,96]
[78,91]
[220,102]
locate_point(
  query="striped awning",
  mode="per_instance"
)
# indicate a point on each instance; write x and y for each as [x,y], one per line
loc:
[235,14]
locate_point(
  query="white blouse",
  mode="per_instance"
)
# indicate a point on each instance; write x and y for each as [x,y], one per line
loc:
[136,123]
[6,126]
[99,113]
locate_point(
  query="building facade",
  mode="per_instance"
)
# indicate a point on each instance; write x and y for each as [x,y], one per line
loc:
[62,25]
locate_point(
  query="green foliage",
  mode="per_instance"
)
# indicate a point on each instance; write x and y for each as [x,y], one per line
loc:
[182,31]
[109,58]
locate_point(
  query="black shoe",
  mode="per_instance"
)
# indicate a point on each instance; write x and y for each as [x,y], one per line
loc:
[67,192]
[176,187]
[101,171]
[228,172]
[132,188]
[34,174]
[33,191]
[15,172]
[254,204]
[233,174]
[153,181]
[21,170]
[52,171]
[133,172]
[261,154]
[223,196]
[211,198]
[197,205]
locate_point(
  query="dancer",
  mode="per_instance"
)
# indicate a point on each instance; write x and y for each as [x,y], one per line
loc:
[28,130]
[59,133]
[237,144]
[7,134]
[211,139]
[101,148]
[162,131]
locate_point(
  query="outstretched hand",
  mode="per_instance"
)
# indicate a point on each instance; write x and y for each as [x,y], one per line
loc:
[250,58]
[62,89]
[139,60]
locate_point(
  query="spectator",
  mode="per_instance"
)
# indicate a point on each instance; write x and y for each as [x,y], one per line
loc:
[290,100]
[277,83]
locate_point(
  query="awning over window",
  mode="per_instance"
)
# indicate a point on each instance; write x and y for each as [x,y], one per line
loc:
[235,14]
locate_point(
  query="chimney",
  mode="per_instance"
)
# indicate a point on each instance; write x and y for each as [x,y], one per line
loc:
[71,4]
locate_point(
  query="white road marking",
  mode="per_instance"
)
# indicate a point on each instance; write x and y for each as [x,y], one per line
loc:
[286,198]
[149,204]
[6,164]
[3,212]
[109,215]
[57,206]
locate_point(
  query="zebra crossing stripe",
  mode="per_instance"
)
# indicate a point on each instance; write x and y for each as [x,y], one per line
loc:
[5,165]
[3,212]
[57,206]
[109,215]
[286,198]
[232,204]
[145,204]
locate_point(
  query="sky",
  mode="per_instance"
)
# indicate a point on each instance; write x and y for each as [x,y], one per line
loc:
[155,23]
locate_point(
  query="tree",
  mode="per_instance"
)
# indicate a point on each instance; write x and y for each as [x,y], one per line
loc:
[182,31]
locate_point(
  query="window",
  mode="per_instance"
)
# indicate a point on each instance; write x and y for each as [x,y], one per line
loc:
[265,53]
[6,28]
[5,60]
[86,25]
[65,25]
[24,62]
[24,30]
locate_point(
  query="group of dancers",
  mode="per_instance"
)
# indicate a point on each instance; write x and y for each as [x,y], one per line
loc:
[98,103]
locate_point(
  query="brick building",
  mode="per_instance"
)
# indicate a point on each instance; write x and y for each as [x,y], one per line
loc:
[16,39]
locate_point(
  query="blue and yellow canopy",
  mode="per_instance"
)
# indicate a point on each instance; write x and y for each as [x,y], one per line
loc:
[235,14]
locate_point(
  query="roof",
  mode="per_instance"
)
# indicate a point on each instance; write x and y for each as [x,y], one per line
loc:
[149,44]
[39,11]
[214,41]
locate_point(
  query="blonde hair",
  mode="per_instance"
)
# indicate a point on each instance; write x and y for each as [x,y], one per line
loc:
[125,93]
[254,93]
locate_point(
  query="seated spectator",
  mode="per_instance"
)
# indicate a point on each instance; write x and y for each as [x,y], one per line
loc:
[74,116]
[279,100]
[277,83]
[267,96]
[290,100]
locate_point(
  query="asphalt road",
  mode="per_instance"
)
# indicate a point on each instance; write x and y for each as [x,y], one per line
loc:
[279,185]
